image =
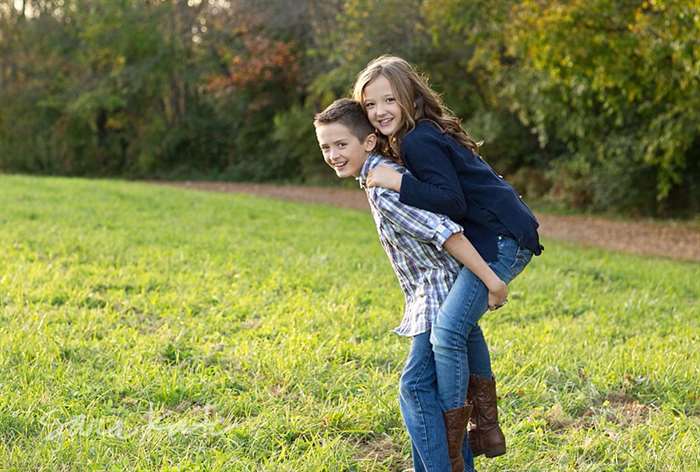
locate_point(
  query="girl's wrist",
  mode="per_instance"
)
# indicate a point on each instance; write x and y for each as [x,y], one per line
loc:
[494,283]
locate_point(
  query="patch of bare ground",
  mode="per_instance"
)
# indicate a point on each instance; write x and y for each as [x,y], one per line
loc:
[382,450]
[616,408]
[672,240]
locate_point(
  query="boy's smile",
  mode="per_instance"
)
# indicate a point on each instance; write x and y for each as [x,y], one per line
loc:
[342,150]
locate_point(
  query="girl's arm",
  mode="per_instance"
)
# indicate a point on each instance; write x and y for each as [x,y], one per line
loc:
[434,184]
[462,249]
[431,227]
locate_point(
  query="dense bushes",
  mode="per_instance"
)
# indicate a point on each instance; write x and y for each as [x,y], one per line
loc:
[591,104]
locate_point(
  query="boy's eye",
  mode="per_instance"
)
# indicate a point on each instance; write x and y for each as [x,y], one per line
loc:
[341,145]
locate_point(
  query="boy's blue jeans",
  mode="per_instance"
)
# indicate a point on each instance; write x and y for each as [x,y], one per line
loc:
[420,408]
[458,344]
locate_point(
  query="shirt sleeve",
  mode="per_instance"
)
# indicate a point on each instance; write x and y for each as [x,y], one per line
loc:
[434,185]
[420,224]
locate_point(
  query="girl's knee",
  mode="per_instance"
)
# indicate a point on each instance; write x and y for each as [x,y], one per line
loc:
[444,338]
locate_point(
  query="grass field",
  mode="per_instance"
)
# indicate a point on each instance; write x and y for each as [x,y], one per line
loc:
[149,328]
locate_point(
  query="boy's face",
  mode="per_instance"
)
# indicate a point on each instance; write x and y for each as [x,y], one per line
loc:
[342,150]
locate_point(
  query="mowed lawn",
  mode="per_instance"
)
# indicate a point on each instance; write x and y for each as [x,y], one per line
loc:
[150,328]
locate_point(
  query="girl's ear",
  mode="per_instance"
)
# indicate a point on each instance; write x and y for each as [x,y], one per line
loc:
[370,142]
[418,107]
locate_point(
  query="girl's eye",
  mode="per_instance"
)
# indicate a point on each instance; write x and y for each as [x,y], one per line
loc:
[369,105]
[341,145]
[390,100]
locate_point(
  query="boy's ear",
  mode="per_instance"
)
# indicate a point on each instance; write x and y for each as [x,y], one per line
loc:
[370,142]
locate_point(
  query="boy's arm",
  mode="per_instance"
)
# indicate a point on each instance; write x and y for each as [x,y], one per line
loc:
[443,233]
[419,224]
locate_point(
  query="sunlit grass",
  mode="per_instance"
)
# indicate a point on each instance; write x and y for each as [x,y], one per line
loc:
[149,328]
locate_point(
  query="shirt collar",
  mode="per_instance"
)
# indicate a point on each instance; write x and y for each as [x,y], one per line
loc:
[369,164]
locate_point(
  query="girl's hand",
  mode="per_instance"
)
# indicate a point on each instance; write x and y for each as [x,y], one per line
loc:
[384,176]
[498,295]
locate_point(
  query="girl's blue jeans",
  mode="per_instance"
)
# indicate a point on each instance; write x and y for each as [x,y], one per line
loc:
[458,344]
[435,376]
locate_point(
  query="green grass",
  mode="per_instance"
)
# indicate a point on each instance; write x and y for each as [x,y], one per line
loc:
[150,328]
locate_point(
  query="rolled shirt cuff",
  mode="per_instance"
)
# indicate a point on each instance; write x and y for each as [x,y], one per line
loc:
[444,231]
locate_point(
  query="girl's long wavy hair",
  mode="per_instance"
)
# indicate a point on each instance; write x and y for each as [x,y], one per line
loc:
[416,100]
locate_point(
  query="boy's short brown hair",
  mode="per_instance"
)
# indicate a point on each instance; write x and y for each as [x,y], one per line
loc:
[348,113]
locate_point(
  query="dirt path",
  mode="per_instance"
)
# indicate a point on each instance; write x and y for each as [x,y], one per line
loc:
[671,240]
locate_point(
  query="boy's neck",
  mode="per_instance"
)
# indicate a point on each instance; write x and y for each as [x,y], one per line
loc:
[364,169]
[364,162]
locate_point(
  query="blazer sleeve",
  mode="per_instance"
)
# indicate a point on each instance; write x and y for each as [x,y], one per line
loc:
[434,185]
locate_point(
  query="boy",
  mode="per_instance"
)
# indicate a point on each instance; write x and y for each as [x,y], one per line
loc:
[414,240]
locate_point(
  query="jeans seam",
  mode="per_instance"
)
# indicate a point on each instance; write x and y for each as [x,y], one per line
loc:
[424,429]
[467,310]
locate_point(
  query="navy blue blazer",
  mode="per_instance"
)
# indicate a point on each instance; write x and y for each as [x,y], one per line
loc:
[449,178]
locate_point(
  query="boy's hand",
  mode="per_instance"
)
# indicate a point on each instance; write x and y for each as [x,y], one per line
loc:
[384,176]
[498,295]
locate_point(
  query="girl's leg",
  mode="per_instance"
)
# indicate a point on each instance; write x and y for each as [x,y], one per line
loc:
[420,408]
[458,343]
[478,353]
[485,433]
[460,348]
[452,337]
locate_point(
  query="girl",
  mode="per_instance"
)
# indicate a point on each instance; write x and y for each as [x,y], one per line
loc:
[448,176]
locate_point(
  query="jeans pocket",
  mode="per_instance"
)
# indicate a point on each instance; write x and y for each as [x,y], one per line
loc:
[521,260]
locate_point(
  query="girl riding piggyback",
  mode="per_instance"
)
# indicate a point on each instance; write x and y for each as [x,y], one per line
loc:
[448,176]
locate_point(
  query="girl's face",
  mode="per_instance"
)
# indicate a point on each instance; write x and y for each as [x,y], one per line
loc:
[383,109]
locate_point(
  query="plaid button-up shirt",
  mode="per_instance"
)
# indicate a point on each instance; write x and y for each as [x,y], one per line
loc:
[413,239]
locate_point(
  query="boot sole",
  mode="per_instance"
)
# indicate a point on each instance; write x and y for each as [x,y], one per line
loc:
[490,453]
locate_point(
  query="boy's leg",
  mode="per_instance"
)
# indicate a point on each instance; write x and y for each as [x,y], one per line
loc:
[468,456]
[417,463]
[420,407]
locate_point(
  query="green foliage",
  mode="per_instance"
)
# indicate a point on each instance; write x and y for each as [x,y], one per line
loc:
[150,328]
[295,146]
[611,80]
[553,89]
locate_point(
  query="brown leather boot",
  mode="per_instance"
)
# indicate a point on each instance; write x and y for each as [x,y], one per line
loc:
[485,435]
[456,426]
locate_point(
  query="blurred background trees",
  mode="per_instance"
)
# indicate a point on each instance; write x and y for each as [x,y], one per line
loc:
[589,104]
